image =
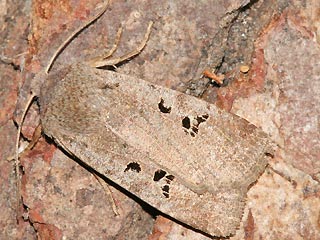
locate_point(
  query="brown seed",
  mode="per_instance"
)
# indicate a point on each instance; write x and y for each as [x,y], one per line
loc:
[244,68]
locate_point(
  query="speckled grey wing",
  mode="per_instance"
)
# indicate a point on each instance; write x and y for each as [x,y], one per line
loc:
[178,153]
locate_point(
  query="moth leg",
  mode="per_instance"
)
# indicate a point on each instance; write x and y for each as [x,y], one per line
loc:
[35,138]
[102,183]
[17,163]
[112,62]
[108,192]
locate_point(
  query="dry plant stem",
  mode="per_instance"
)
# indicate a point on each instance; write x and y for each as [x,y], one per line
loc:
[213,76]
[68,40]
[111,62]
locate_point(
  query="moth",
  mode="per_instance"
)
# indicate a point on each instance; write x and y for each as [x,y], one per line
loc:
[180,154]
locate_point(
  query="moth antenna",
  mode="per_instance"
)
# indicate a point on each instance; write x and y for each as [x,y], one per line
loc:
[29,103]
[112,62]
[115,45]
[73,34]
[92,61]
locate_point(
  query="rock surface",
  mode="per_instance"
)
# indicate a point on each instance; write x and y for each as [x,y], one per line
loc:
[278,39]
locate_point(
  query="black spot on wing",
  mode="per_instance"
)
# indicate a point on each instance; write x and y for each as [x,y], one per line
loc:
[170,177]
[192,126]
[162,108]
[165,190]
[109,86]
[202,118]
[166,194]
[158,175]
[133,166]
[268,154]
[195,129]
[186,122]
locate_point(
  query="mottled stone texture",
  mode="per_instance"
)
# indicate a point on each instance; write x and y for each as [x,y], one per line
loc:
[279,40]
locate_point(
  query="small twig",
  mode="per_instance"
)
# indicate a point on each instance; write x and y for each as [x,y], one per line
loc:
[213,76]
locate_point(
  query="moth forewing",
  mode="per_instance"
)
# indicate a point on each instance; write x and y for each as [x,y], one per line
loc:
[178,153]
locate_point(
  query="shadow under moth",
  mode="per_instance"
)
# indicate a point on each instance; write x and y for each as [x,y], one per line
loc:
[180,154]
